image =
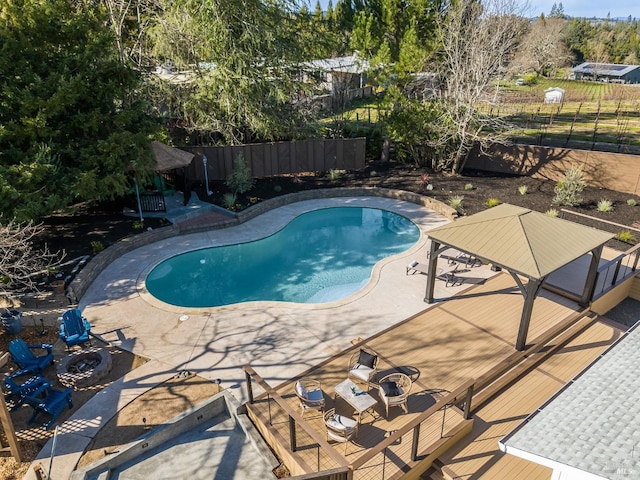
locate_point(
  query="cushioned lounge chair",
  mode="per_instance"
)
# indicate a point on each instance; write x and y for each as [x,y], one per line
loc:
[23,356]
[310,395]
[340,428]
[394,390]
[363,366]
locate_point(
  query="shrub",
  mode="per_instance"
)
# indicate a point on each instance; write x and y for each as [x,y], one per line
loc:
[552,212]
[373,173]
[523,189]
[468,186]
[568,191]
[605,205]
[493,202]
[277,188]
[239,180]
[455,202]
[229,200]
[631,202]
[424,182]
[138,225]
[626,236]
[335,174]
[97,246]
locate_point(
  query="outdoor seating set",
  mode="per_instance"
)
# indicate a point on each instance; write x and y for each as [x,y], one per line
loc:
[393,390]
[28,386]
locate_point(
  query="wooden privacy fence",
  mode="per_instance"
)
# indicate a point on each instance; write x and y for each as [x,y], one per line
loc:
[614,171]
[269,159]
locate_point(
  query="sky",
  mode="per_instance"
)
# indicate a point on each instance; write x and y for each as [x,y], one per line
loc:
[572,8]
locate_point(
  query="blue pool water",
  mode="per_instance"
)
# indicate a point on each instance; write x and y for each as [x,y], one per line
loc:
[320,256]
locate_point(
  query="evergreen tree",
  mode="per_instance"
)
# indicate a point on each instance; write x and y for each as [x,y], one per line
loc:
[72,123]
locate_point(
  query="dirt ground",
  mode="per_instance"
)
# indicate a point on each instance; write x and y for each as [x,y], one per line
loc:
[75,230]
[156,406]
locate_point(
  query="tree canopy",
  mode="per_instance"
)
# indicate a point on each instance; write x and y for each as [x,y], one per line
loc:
[73,121]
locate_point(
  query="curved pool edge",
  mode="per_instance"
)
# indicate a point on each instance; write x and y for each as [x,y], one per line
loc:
[87,276]
[285,214]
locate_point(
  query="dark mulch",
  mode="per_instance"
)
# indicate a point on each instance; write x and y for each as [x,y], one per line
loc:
[75,230]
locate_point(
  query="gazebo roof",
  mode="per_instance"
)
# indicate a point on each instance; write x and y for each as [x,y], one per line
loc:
[521,240]
[168,158]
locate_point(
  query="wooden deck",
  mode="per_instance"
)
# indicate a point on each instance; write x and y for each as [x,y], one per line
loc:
[443,348]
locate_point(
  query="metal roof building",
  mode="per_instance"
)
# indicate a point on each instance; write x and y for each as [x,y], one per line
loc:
[607,72]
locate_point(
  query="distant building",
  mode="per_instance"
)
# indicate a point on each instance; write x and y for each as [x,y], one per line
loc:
[553,95]
[337,75]
[607,72]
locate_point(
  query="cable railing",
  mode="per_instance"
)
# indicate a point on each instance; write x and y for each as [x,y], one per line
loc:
[417,433]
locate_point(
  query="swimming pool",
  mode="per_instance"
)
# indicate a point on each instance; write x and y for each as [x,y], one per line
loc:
[318,257]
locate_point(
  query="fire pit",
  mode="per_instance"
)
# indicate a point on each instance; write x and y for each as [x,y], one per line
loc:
[84,367]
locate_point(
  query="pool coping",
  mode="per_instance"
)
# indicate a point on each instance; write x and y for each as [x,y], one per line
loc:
[299,208]
[83,280]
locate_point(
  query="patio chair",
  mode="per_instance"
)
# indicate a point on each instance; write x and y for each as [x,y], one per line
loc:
[310,395]
[417,267]
[363,366]
[394,390]
[22,355]
[74,328]
[49,401]
[340,428]
[447,274]
[19,385]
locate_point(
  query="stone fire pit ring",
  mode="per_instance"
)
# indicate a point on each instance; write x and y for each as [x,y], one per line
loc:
[83,368]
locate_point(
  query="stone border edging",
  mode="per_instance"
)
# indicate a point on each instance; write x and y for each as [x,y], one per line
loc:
[90,272]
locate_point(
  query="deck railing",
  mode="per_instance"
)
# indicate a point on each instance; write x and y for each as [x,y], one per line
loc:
[410,432]
[343,472]
[616,271]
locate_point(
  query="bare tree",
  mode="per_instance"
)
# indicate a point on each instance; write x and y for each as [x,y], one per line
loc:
[543,49]
[477,39]
[130,21]
[20,262]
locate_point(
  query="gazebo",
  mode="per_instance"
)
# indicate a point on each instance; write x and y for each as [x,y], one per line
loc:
[529,245]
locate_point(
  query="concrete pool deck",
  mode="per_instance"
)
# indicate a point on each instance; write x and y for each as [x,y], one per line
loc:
[279,340]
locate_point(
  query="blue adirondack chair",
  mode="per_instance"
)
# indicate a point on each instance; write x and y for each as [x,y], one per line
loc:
[22,355]
[19,385]
[49,401]
[74,328]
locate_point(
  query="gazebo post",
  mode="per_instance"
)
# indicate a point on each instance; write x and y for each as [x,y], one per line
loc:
[592,276]
[529,292]
[432,271]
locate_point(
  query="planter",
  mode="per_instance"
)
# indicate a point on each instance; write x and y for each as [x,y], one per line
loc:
[12,321]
